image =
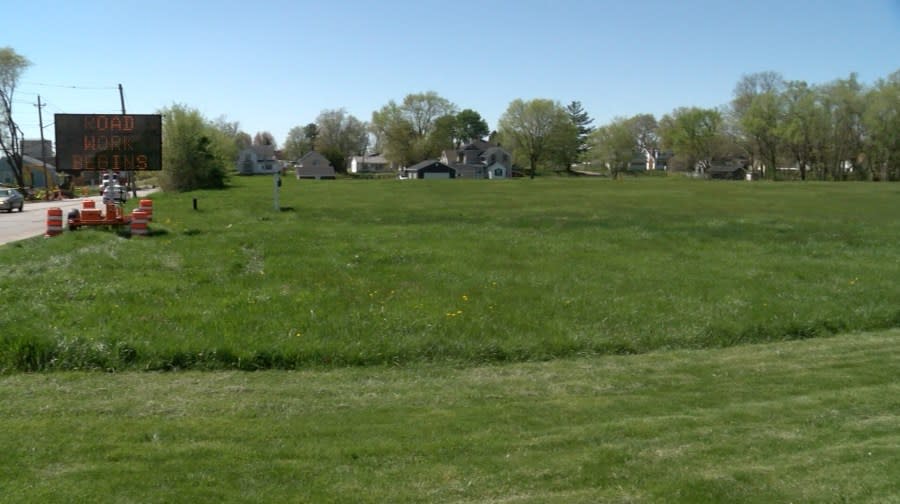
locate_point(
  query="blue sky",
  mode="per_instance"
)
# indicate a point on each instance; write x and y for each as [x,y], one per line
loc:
[275,65]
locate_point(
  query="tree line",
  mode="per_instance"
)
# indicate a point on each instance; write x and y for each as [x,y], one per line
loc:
[840,130]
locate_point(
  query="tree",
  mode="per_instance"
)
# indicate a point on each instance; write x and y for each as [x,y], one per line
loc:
[236,140]
[445,135]
[12,65]
[296,144]
[758,107]
[339,136]
[882,122]
[843,101]
[402,131]
[582,122]
[528,127]
[470,126]
[614,145]
[243,140]
[644,128]
[311,133]
[563,145]
[195,152]
[694,134]
[423,109]
[264,138]
[803,124]
[393,134]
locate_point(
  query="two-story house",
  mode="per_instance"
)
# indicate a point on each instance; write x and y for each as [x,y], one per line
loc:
[258,160]
[479,159]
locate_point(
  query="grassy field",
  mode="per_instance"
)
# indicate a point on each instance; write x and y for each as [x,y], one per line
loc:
[400,272]
[815,421]
[553,340]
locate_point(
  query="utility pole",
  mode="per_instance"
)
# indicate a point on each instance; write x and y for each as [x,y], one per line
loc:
[131,174]
[43,148]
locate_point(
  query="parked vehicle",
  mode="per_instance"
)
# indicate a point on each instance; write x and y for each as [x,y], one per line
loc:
[11,199]
[114,193]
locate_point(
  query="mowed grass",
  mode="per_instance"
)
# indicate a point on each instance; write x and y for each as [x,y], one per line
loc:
[814,421]
[398,272]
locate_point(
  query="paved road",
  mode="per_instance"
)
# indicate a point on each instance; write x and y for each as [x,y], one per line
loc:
[32,221]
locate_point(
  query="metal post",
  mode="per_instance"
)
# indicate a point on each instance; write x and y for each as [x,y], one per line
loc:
[43,149]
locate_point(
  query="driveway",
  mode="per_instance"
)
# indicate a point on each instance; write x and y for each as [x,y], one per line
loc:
[32,221]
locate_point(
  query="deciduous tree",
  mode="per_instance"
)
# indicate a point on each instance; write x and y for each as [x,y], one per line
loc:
[195,152]
[12,65]
[528,127]
[402,131]
[470,126]
[694,135]
[882,122]
[264,138]
[758,107]
[614,145]
[339,136]
[803,126]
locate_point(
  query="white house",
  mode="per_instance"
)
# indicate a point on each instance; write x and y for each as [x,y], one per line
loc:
[369,164]
[258,160]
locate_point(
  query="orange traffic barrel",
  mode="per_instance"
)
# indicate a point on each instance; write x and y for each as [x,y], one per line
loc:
[138,222]
[90,215]
[88,203]
[147,206]
[54,221]
[112,212]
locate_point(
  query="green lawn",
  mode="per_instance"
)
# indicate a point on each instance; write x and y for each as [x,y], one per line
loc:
[376,272]
[555,340]
[806,421]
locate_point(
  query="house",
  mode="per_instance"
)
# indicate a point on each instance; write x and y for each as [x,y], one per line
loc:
[429,169]
[649,160]
[258,160]
[369,164]
[32,173]
[314,166]
[497,162]
[479,159]
[727,171]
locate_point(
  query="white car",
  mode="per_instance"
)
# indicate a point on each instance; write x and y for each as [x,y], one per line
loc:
[114,193]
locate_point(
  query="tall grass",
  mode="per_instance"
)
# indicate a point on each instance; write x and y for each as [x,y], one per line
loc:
[381,272]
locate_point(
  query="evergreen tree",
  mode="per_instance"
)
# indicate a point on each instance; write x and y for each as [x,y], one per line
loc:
[582,122]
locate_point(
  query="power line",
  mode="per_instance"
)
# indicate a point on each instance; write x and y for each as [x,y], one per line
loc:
[70,86]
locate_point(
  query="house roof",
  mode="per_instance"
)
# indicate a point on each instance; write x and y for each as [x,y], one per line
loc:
[478,144]
[27,161]
[312,155]
[427,163]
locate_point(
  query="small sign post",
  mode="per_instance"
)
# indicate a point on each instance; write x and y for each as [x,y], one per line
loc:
[277,183]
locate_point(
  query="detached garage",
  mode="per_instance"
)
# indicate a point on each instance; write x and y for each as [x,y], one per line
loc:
[430,169]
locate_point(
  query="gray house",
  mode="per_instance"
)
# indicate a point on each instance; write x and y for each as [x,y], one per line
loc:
[314,166]
[479,159]
[258,160]
[428,169]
